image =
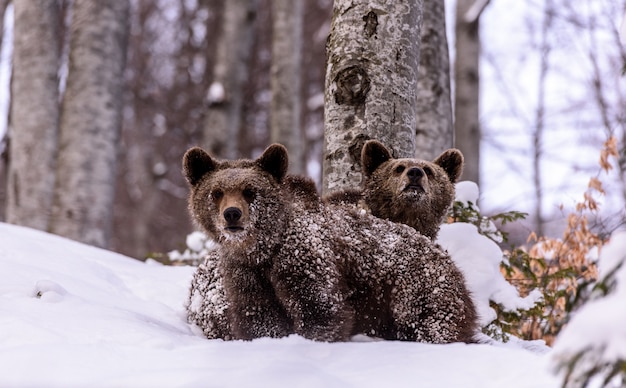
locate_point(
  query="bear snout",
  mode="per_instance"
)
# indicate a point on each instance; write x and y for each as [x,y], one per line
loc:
[415,173]
[232,215]
[415,177]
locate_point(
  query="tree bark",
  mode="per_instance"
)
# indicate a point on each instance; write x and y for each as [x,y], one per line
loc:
[34,113]
[466,97]
[371,83]
[540,115]
[435,128]
[3,7]
[90,122]
[285,123]
[225,95]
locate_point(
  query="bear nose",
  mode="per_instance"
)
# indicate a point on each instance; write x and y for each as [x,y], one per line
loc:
[232,215]
[415,173]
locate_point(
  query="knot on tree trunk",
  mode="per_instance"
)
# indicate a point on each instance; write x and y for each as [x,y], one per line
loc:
[353,84]
[371,23]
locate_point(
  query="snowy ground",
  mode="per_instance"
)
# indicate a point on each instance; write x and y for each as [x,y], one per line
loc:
[74,315]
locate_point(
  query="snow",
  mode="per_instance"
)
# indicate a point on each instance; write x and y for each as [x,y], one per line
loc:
[75,315]
[216,93]
[198,242]
[479,258]
[467,191]
[598,329]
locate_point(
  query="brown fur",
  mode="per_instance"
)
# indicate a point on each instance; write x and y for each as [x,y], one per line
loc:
[413,192]
[288,263]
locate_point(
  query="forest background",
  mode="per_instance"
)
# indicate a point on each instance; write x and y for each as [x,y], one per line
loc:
[550,92]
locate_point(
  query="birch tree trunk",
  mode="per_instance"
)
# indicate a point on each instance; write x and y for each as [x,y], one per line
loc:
[466,82]
[90,122]
[371,83]
[225,95]
[435,128]
[34,113]
[285,123]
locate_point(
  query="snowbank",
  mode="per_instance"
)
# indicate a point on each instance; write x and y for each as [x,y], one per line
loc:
[598,330]
[74,315]
[479,258]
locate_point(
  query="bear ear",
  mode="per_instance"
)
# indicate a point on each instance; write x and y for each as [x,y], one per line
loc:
[374,154]
[452,162]
[196,164]
[275,161]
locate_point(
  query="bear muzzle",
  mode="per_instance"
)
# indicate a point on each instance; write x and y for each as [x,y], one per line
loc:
[415,180]
[232,216]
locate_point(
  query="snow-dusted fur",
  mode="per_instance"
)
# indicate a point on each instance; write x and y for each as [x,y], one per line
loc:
[292,264]
[413,192]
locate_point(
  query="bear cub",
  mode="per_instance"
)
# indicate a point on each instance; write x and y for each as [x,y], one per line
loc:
[286,262]
[409,191]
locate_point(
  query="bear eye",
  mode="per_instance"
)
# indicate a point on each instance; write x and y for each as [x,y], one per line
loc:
[429,171]
[249,194]
[399,169]
[216,195]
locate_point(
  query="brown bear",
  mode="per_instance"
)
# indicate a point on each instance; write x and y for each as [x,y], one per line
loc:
[413,192]
[207,305]
[288,263]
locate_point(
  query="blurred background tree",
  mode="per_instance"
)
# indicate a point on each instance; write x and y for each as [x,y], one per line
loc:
[467,131]
[34,115]
[550,98]
[434,130]
[185,61]
[90,118]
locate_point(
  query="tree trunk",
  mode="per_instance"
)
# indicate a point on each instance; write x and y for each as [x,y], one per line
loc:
[371,83]
[285,123]
[90,122]
[540,115]
[225,95]
[3,7]
[466,83]
[435,128]
[34,113]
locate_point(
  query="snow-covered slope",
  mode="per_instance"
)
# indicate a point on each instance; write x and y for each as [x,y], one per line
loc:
[597,332]
[479,258]
[74,315]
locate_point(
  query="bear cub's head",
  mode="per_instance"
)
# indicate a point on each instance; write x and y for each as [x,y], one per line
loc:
[414,192]
[234,201]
